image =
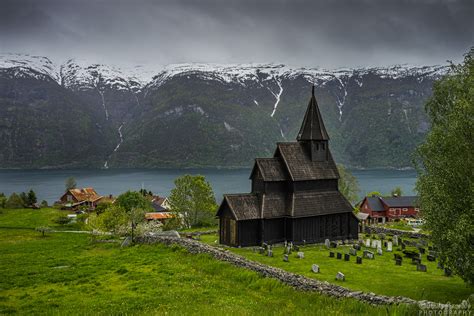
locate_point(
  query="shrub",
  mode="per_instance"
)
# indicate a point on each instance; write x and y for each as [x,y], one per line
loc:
[62,219]
[15,201]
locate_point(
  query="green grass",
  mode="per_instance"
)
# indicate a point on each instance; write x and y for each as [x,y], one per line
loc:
[66,273]
[380,275]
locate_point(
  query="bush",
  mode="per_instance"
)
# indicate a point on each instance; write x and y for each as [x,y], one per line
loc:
[44,203]
[15,202]
[62,220]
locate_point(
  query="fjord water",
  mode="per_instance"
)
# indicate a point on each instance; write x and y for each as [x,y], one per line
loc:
[49,184]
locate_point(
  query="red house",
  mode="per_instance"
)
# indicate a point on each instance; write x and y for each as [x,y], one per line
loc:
[73,198]
[382,209]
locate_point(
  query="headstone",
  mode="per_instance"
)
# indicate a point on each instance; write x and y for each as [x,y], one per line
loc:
[397,256]
[431,258]
[367,243]
[422,250]
[270,253]
[421,267]
[340,276]
[315,268]
[291,245]
[356,247]
[261,250]
[379,251]
[395,240]
[327,243]
[285,258]
[448,272]
[331,254]
[389,246]
[415,261]
[126,242]
[433,253]
[359,260]
[300,255]
[347,257]
[374,243]
[333,244]
[379,244]
[398,261]
[385,243]
[368,254]
[339,255]
[353,252]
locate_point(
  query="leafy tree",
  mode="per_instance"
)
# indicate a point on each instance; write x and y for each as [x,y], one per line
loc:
[131,199]
[32,198]
[15,201]
[101,207]
[24,198]
[114,219]
[397,191]
[145,193]
[193,200]
[348,185]
[374,193]
[44,203]
[136,216]
[445,163]
[43,230]
[70,183]
[3,200]
[62,219]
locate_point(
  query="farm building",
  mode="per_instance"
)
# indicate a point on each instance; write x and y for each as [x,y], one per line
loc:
[73,198]
[294,195]
[382,209]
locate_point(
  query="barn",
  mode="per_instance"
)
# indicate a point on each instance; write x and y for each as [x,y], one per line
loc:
[294,195]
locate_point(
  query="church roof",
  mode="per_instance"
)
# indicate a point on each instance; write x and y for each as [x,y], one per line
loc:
[271,169]
[309,203]
[300,166]
[313,126]
[244,206]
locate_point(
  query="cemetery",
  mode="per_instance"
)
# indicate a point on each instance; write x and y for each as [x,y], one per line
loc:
[409,272]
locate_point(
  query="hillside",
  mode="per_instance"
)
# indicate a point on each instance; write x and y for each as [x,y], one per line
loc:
[77,114]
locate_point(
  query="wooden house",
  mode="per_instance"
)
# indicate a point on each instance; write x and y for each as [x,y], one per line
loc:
[74,198]
[383,209]
[294,195]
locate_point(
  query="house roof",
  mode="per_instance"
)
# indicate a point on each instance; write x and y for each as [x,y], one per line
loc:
[313,125]
[85,194]
[400,201]
[300,167]
[157,203]
[159,215]
[310,203]
[243,206]
[271,169]
[375,203]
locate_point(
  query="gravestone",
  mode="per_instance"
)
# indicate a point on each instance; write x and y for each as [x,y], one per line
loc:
[126,242]
[359,260]
[433,253]
[448,272]
[353,252]
[331,254]
[416,261]
[315,268]
[395,240]
[379,244]
[261,250]
[367,243]
[421,267]
[385,243]
[422,250]
[291,245]
[347,257]
[398,261]
[300,255]
[368,254]
[285,258]
[431,258]
[327,242]
[389,246]
[379,251]
[340,276]
[374,243]
[270,253]
[333,244]
[339,255]
[356,247]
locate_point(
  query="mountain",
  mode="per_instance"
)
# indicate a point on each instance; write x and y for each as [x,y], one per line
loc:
[78,114]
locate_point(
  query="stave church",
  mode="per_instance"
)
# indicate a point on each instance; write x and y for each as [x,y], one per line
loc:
[294,195]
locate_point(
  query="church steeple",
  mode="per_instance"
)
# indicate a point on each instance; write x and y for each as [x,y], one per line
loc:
[313,126]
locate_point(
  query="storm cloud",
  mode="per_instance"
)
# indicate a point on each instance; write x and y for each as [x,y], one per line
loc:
[300,33]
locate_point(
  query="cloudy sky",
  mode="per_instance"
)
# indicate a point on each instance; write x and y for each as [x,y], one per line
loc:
[301,33]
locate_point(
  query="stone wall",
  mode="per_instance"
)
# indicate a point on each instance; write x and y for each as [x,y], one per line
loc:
[296,281]
[391,231]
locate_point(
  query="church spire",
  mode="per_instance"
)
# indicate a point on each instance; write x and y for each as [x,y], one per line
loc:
[313,126]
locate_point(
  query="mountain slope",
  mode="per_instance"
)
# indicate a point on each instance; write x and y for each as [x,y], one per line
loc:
[205,115]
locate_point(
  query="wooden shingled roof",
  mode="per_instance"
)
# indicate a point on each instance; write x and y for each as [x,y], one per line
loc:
[319,203]
[271,169]
[244,206]
[313,125]
[300,166]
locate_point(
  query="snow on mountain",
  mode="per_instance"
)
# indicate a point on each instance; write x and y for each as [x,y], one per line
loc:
[79,74]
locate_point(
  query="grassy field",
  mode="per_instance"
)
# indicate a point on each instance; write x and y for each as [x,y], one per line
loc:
[380,275]
[66,273]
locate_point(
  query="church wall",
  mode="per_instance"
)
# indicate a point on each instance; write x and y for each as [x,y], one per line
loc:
[315,185]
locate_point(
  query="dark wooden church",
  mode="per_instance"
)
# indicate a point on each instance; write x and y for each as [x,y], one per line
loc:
[294,196]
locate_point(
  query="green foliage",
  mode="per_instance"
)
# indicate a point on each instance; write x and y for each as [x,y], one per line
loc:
[446,168]
[43,230]
[131,199]
[44,204]
[101,207]
[15,201]
[3,200]
[348,185]
[62,219]
[31,198]
[193,199]
[145,193]
[70,183]
[374,193]
[397,191]
[114,219]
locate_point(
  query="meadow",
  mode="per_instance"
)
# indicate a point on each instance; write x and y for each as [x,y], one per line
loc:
[70,274]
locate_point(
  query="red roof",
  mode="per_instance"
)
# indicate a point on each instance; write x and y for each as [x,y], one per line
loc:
[160,215]
[85,194]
